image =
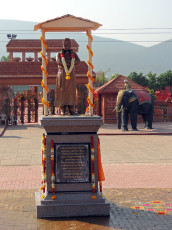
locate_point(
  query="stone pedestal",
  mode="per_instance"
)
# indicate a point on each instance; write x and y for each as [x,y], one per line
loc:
[71,136]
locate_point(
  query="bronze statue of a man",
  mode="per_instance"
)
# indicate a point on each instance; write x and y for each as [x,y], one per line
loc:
[65,96]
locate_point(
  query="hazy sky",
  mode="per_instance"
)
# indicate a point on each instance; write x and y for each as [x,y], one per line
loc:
[112,14]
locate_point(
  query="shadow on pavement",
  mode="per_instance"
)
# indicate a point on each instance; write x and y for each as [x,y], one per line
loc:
[24,126]
[10,137]
[2,130]
[17,127]
[120,218]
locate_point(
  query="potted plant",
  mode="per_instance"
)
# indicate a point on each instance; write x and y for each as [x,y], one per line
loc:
[29,59]
[53,59]
[17,59]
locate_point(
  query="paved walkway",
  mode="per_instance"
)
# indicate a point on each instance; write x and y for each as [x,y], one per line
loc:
[137,169]
[158,128]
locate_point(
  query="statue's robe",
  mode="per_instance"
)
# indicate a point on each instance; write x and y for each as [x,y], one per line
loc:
[65,89]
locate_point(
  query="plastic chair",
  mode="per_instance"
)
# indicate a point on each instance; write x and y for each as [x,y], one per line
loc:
[3,117]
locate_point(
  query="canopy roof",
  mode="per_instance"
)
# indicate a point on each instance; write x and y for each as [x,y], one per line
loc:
[68,23]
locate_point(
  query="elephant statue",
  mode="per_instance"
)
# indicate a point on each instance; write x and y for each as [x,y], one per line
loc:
[133,102]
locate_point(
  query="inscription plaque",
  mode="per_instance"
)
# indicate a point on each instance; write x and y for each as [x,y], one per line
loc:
[72,163]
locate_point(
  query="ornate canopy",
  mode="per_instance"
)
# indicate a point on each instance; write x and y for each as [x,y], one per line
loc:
[67,23]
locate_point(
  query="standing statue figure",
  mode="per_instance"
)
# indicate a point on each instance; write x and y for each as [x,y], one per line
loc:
[65,97]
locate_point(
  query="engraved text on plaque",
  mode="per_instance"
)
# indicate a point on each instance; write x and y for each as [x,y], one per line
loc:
[72,163]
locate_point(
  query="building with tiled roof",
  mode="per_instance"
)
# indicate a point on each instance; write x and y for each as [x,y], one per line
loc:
[116,84]
[34,46]
[24,71]
[29,72]
[107,94]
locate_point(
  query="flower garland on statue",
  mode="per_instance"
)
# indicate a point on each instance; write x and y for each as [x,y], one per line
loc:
[93,169]
[44,149]
[53,197]
[68,71]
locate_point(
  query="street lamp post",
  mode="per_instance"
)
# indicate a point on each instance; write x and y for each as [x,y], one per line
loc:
[11,36]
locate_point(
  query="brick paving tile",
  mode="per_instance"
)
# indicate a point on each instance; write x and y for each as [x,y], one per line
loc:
[138,170]
[138,175]
[116,175]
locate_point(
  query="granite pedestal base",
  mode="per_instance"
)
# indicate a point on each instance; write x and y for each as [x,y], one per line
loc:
[73,138]
[72,205]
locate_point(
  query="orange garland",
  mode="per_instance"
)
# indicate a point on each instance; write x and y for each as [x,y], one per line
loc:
[91,52]
[43,86]
[44,57]
[89,35]
[44,102]
[88,86]
[44,71]
[89,102]
[42,40]
[43,162]
[88,73]
[89,63]
[92,168]
[52,171]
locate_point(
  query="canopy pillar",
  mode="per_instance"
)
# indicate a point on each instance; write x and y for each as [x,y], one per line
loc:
[90,71]
[44,77]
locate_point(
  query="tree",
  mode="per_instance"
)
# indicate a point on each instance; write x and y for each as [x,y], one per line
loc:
[114,75]
[152,93]
[138,78]
[101,79]
[152,81]
[7,58]
[165,79]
